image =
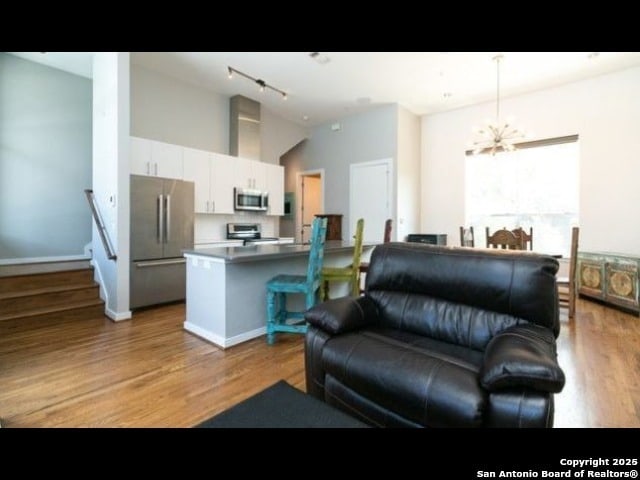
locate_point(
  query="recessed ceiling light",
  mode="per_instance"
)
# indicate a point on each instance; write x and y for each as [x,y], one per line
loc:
[447,95]
[305,117]
[321,58]
[593,55]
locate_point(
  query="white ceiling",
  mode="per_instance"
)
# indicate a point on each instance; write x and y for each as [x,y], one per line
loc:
[354,81]
[79,63]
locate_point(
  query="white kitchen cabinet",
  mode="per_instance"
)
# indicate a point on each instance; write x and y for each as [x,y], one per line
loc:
[259,173]
[155,159]
[222,181]
[140,152]
[249,173]
[212,174]
[275,187]
[196,169]
[166,160]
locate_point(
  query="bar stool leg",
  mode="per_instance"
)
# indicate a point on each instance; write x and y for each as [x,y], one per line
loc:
[271,317]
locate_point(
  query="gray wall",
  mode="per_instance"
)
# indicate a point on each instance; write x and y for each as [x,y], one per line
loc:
[362,137]
[45,160]
[169,110]
[173,111]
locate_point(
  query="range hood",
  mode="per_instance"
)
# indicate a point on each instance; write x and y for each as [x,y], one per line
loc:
[244,127]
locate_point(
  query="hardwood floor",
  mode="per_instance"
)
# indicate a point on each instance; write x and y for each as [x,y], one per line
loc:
[149,372]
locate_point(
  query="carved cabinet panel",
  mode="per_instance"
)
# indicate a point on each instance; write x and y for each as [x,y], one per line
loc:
[610,277]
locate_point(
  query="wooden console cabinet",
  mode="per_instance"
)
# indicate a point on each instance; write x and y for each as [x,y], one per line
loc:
[334,226]
[610,277]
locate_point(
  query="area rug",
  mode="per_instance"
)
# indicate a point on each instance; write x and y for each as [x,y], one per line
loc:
[282,406]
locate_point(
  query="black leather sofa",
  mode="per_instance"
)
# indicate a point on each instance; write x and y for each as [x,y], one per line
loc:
[443,337]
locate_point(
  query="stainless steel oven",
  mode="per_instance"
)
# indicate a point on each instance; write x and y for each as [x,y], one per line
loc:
[248,199]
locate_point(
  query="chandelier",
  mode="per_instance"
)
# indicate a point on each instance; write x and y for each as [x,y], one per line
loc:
[497,136]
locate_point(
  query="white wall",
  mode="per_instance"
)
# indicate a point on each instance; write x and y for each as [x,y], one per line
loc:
[603,111]
[45,161]
[407,175]
[111,176]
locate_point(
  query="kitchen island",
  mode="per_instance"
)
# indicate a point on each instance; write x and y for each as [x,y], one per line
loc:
[226,286]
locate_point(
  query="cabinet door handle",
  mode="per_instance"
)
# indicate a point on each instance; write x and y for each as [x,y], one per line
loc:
[213,206]
[207,209]
[148,168]
[156,169]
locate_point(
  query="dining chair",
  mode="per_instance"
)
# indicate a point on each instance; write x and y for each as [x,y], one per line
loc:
[466,237]
[364,266]
[349,274]
[567,285]
[504,239]
[279,286]
[525,239]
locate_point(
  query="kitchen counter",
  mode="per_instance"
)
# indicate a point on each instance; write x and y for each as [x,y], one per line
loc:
[253,253]
[226,286]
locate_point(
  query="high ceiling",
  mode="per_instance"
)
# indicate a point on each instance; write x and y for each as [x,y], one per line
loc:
[423,82]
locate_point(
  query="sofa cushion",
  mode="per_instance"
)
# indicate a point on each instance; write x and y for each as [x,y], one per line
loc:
[450,322]
[522,356]
[514,283]
[424,380]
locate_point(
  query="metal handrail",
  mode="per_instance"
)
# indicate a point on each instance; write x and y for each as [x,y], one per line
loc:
[111,255]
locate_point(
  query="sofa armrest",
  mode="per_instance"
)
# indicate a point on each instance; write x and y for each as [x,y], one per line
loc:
[342,314]
[522,356]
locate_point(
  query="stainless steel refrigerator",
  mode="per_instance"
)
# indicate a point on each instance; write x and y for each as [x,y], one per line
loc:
[162,213]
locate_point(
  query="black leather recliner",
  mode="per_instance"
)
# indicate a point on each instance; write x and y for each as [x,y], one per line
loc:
[443,337]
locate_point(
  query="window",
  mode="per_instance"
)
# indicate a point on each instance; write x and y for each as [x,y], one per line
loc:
[535,186]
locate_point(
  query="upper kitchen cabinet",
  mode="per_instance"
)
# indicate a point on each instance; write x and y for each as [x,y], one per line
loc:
[249,173]
[197,167]
[275,187]
[140,156]
[155,159]
[222,182]
[212,174]
[166,160]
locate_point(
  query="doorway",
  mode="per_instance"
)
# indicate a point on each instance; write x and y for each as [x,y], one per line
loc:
[370,197]
[310,191]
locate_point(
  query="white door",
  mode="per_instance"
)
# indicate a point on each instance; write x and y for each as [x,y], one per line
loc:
[310,192]
[370,197]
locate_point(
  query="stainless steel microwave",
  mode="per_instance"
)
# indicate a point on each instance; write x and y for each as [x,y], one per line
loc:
[248,199]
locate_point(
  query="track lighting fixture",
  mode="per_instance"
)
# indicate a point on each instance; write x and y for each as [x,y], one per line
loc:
[261,83]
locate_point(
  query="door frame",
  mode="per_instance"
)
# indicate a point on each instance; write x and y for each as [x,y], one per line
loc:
[383,161]
[299,203]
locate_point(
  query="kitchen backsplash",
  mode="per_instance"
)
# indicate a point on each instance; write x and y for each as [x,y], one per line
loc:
[214,227]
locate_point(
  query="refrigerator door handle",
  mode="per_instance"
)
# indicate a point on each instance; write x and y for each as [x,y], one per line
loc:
[167,237]
[160,218]
[158,263]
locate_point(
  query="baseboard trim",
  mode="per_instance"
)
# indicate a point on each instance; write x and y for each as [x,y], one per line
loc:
[117,316]
[220,341]
[31,260]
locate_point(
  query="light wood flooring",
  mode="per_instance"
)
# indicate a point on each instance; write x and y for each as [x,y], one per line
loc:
[149,372]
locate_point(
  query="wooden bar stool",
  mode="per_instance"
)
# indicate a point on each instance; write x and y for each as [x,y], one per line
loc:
[349,274]
[280,285]
[364,266]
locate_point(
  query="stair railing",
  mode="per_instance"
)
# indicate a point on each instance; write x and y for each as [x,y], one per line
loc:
[102,230]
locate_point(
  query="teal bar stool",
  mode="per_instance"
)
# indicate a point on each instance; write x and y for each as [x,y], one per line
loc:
[309,284]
